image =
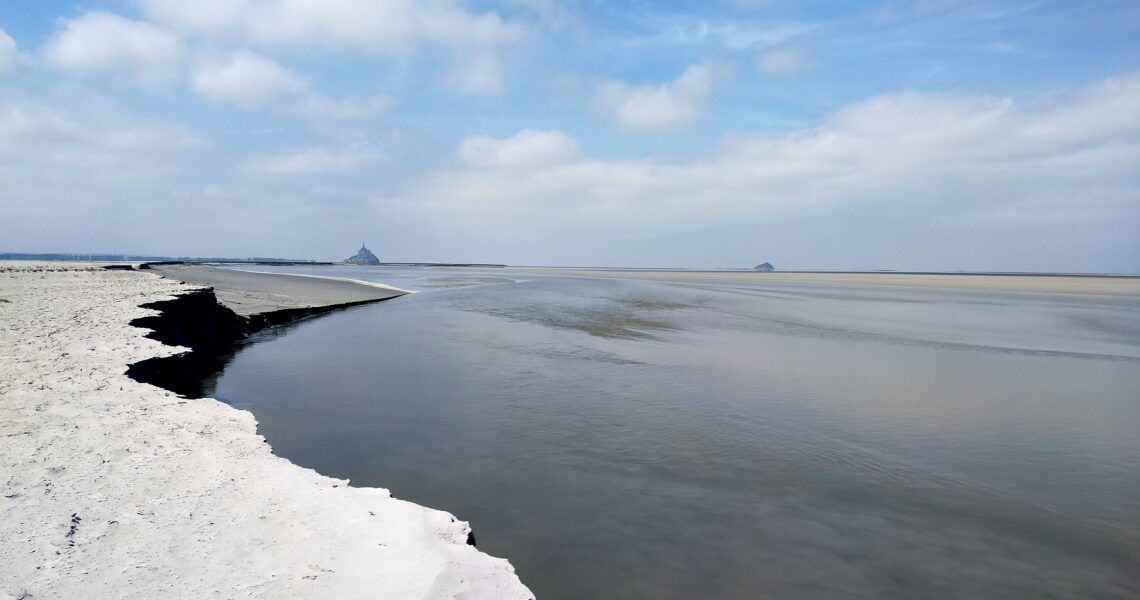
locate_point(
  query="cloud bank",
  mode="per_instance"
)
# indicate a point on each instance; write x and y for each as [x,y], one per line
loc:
[392,25]
[1066,156]
[102,42]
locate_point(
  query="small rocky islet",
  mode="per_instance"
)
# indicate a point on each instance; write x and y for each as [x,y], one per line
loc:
[364,256]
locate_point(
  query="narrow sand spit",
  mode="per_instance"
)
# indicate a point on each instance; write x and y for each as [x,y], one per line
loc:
[113,488]
[249,292]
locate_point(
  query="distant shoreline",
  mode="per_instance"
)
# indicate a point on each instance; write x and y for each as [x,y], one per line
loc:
[1045,283]
[120,258]
[836,271]
[1111,285]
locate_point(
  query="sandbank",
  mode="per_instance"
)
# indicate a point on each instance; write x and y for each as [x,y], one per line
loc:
[250,293]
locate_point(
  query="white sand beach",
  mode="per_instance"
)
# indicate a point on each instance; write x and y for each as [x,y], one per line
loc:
[114,488]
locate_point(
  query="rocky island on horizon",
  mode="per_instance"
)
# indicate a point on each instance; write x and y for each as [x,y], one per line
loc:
[364,256]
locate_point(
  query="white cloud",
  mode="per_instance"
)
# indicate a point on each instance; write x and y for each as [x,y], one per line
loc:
[655,106]
[323,108]
[528,148]
[395,26]
[1075,154]
[389,25]
[311,161]
[244,78]
[482,73]
[9,55]
[47,149]
[729,34]
[101,42]
[781,61]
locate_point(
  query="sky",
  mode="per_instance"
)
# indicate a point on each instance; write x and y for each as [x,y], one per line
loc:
[887,134]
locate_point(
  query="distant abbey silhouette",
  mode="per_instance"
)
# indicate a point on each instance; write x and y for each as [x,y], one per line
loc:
[364,256]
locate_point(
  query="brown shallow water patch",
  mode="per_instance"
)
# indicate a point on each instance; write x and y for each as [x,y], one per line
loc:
[611,320]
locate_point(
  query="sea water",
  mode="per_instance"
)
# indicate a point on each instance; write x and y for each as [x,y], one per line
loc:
[707,437]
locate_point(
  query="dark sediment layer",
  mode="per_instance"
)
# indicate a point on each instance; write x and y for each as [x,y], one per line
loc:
[197,320]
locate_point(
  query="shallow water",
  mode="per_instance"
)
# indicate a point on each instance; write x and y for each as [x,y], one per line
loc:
[633,438]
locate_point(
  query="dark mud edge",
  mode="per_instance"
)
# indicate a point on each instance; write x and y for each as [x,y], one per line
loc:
[196,320]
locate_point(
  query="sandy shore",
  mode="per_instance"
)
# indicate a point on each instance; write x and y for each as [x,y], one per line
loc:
[114,488]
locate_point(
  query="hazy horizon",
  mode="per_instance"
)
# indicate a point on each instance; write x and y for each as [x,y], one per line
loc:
[949,135]
[787,268]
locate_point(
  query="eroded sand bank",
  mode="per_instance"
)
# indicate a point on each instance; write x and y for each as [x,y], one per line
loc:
[113,488]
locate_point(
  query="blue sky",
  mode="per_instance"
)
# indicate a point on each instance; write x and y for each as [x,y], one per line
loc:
[930,134]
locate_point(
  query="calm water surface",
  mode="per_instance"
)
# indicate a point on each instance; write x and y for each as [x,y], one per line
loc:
[708,438]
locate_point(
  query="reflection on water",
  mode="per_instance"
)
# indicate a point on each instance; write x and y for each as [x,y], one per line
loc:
[623,438]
